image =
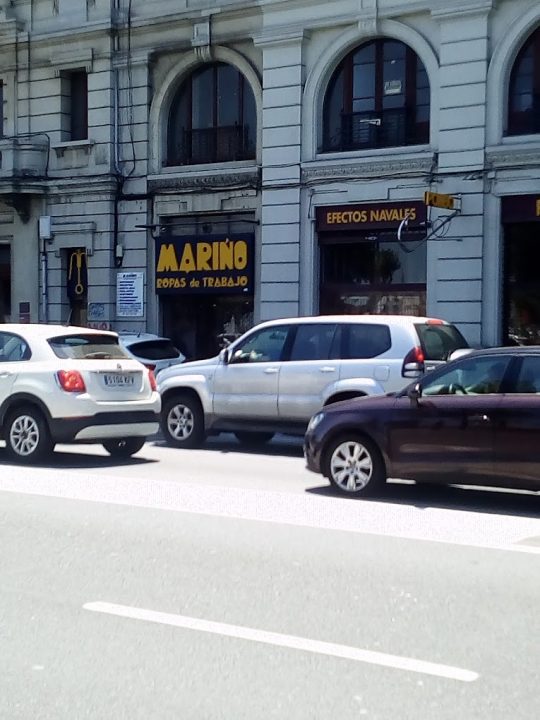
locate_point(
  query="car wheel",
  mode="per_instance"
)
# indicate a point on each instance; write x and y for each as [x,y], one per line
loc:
[182,421]
[27,435]
[124,447]
[252,439]
[354,465]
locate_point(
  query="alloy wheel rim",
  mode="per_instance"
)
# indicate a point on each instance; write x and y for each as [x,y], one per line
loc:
[180,422]
[24,435]
[351,466]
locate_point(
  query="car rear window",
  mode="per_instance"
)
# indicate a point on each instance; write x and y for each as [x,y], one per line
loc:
[438,341]
[154,350]
[366,341]
[87,347]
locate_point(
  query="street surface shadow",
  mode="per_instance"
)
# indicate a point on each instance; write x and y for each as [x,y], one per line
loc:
[285,445]
[73,460]
[495,501]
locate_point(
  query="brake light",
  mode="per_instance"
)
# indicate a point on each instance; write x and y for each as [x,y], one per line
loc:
[434,321]
[71,381]
[152,378]
[150,366]
[413,364]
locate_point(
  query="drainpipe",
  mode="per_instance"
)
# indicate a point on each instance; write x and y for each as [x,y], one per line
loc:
[44,284]
[119,181]
[44,289]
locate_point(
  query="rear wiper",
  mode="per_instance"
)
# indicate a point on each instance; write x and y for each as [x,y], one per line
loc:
[98,356]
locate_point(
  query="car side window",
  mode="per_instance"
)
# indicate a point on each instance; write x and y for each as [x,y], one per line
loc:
[264,346]
[13,348]
[313,342]
[366,341]
[473,376]
[528,379]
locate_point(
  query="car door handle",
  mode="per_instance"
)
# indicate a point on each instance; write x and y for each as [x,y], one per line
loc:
[5,374]
[479,419]
[271,371]
[327,369]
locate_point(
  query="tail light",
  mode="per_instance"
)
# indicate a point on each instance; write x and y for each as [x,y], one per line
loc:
[152,378]
[413,364]
[150,366]
[71,381]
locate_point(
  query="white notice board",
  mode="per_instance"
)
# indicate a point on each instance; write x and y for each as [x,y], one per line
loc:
[130,294]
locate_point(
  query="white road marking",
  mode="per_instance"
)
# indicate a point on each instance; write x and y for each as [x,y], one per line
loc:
[347,652]
[432,524]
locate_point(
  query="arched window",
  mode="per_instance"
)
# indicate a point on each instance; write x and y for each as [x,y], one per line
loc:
[524,95]
[212,118]
[378,97]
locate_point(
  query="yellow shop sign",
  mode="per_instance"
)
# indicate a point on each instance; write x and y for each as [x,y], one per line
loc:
[207,264]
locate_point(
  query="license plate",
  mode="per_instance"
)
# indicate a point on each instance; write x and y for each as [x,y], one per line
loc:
[116,380]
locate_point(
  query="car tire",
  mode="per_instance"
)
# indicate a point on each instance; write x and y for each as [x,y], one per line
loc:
[253,439]
[124,447]
[182,421]
[27,435]
[354,465]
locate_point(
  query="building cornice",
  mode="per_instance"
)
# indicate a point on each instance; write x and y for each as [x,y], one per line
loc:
[513,156]
[213,178]
[462,8]
[372,167]
[285,35]
[89,187]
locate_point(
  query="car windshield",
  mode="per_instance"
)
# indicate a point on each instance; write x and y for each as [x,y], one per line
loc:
[87,347]
[155,349]
[439,341]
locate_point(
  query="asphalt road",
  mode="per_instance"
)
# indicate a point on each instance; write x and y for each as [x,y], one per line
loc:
[217,583]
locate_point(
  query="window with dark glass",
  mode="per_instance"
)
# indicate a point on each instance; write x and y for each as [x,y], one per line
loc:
[1,109]
[266,345]
[13,348]
[372,275]
[521,317]
[5,282]
[367,341]
[474,376]
[378,97]
[75,105]
[212,118]
[524,95]
[316,342]
[528,379]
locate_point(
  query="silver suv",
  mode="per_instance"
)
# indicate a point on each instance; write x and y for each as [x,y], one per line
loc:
[280,373]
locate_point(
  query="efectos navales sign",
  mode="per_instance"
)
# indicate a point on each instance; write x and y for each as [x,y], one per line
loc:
[370,216]
[205,264]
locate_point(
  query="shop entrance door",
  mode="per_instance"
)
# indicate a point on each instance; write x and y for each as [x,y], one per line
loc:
[5,283]
[372,276]
[521,321]
[197,324]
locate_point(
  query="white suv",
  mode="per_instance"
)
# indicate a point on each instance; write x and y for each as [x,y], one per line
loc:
[71,384]
[280,373]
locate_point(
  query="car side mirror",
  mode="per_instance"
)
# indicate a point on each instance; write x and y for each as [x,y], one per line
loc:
[224,356]
[414,393]
[457,354]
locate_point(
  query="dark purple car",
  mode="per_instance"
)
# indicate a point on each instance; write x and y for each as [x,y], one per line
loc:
[475,421]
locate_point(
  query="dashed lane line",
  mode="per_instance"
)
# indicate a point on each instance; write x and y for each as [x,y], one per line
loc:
[347,652]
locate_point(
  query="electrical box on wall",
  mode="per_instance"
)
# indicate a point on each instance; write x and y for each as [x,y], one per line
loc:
[45,227]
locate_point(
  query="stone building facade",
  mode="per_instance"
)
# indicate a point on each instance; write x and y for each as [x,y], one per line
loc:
[192,167]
